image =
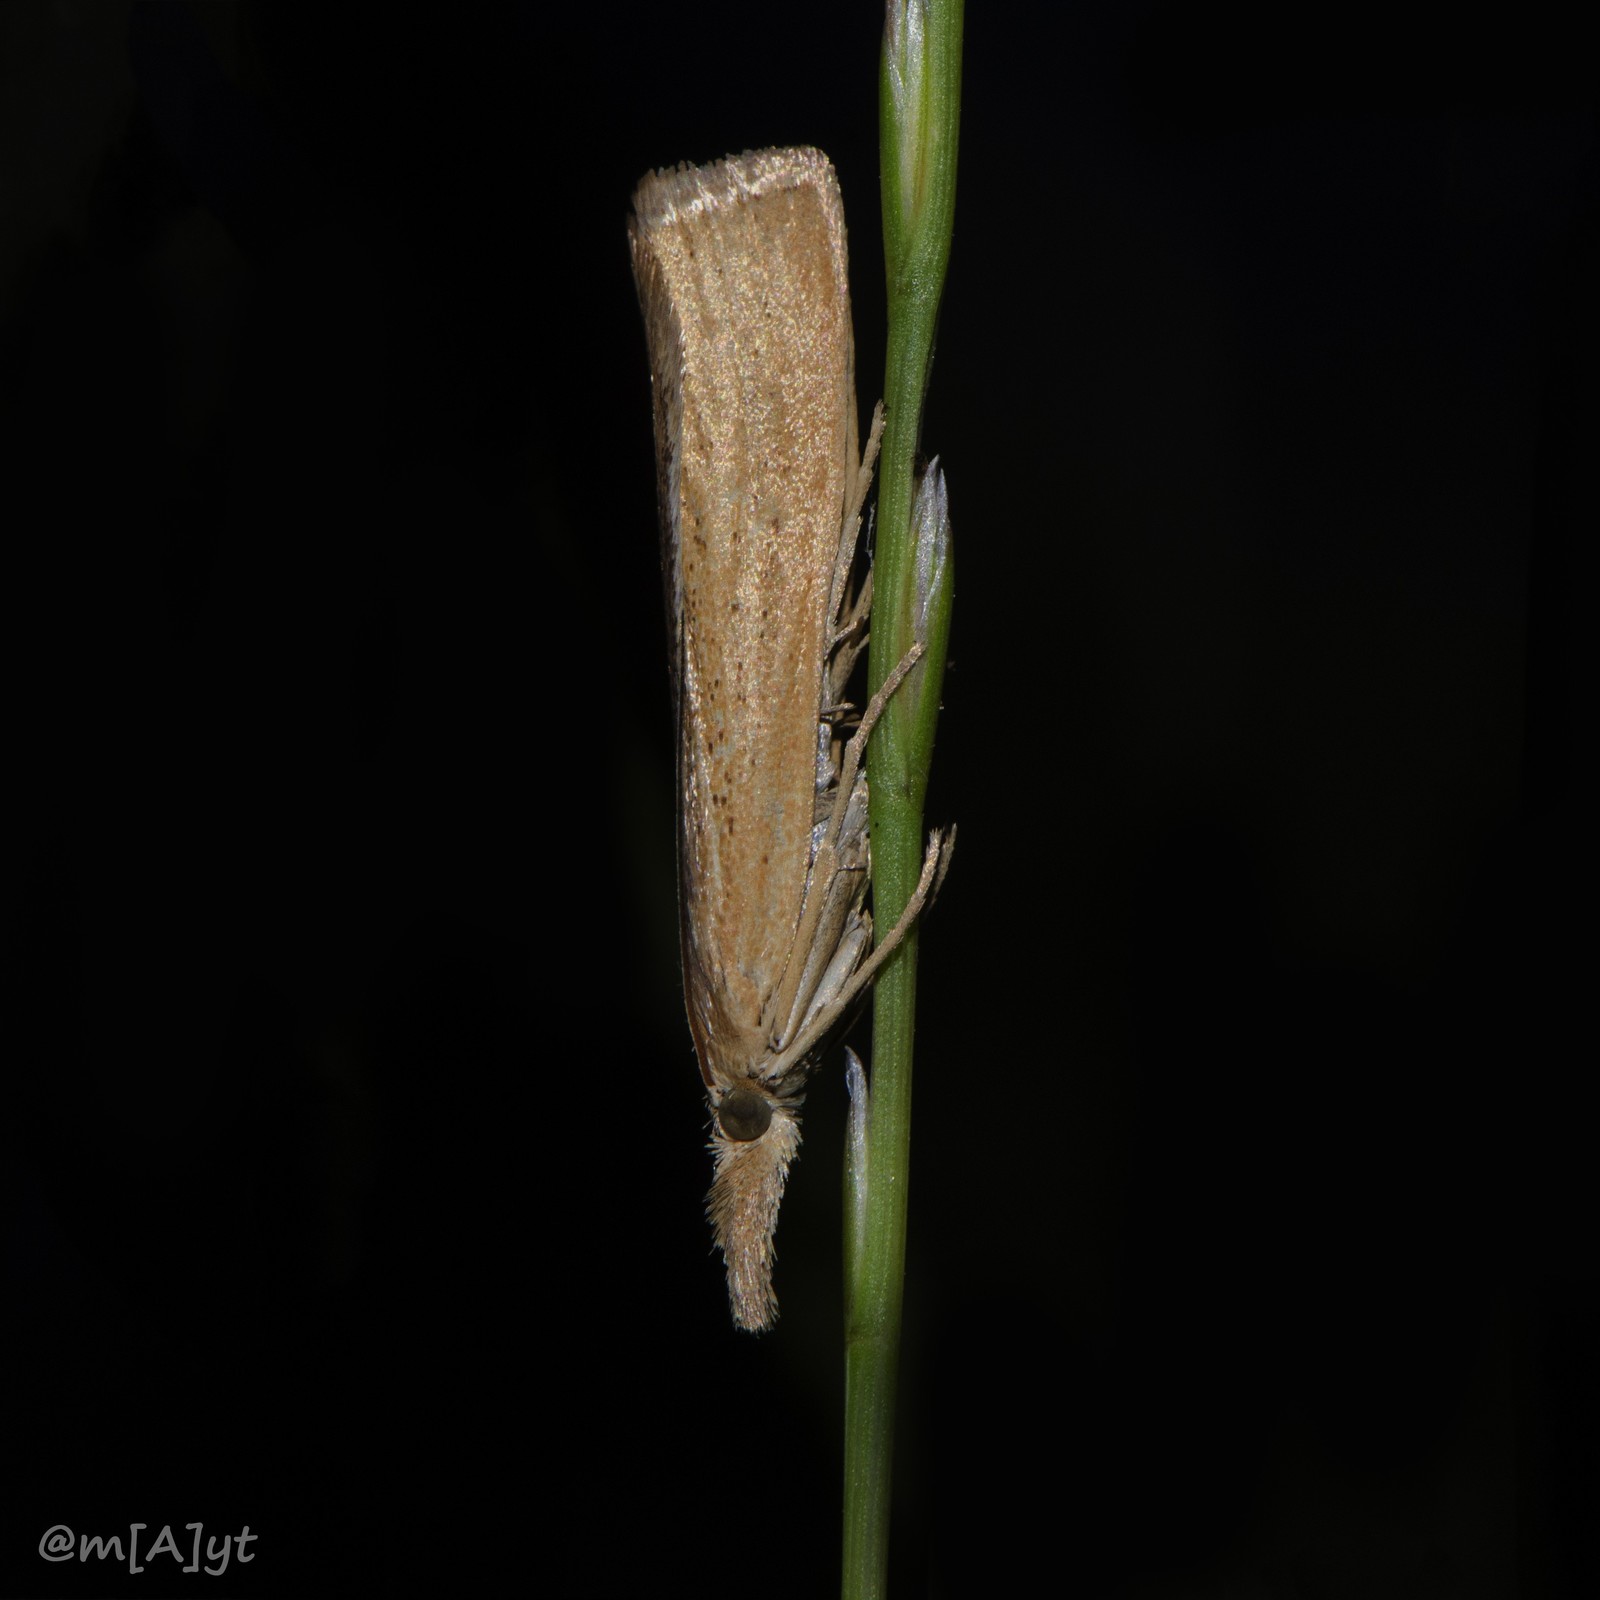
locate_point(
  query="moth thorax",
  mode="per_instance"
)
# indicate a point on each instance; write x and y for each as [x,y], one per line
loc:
[744,1114]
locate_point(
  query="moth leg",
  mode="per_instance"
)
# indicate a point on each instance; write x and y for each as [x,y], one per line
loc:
[850,522]
[860,609]
[832,941]
[869,460]
[858,740]
[848,639]
[825,865]
[933,865]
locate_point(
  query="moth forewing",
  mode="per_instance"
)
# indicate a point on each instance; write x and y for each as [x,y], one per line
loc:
[741,273]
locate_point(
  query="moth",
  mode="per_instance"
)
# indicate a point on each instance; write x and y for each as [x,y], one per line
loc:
[741,271]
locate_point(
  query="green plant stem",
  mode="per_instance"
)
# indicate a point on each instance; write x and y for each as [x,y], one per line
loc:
[919,118]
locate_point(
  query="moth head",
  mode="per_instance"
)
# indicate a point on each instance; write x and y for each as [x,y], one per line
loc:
[744,1114]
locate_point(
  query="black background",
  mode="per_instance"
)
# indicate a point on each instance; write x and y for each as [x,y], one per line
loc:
[352,1139]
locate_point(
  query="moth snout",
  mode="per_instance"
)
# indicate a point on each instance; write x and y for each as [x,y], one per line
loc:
[744,1114]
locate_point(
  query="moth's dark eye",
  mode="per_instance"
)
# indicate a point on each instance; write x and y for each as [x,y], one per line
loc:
[744,1115]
